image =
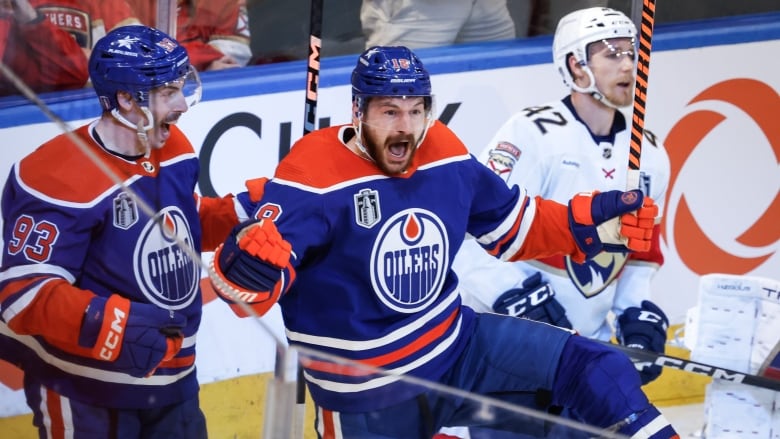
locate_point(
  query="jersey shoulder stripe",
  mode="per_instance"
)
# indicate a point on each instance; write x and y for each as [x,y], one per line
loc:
[74,178]
[337,166]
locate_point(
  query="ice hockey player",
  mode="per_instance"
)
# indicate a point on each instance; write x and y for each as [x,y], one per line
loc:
[99,301]
[556,150]
[354,238]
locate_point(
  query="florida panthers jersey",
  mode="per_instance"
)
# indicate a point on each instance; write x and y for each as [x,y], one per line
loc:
[208,30]
[372,256]
[549,151]
[87,20]
[72,224]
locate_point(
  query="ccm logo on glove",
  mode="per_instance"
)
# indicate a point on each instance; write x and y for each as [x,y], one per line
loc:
[649,316]
[133,337]
[533,299]
[113,338]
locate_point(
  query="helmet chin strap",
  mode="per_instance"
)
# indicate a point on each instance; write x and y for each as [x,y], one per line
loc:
[140,128]
[593,91]
[428,125]
[359,139]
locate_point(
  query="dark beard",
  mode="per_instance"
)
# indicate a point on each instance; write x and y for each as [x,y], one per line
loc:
[374,151]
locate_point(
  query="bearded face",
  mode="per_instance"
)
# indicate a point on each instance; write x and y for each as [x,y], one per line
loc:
[391,129]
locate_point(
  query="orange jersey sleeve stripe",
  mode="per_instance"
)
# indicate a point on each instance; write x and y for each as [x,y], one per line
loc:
[549,234]
[217,218]
[55,310]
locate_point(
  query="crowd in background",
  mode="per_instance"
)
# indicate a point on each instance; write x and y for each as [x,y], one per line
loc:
[235,33]
[215,34]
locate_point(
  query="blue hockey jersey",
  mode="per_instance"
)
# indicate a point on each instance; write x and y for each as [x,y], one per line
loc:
[370,279]
[71,232]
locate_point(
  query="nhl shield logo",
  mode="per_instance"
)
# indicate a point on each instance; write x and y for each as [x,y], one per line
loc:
[125,211]
[645,182]
[367,212]
[148,166]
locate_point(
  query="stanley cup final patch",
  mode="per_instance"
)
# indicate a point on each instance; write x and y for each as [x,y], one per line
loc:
[367,211]
[125,211]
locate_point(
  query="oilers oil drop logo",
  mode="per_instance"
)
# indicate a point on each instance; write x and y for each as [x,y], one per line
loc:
[725,225]
[167,275]
[409,259]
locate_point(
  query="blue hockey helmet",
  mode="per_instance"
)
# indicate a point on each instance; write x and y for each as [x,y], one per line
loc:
[137,59]
[393,71]
[390,71]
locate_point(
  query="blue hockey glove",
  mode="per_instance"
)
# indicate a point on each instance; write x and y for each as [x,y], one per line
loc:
[132,337]
[644,328]
[612,221]
[249,265]
[253,255]
[535,300]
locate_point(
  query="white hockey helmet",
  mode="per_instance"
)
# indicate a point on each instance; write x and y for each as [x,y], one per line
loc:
[577,30]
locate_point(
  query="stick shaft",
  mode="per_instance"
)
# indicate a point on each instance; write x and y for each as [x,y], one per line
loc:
[309,125]
[313,66]
[640,92]
[643,356]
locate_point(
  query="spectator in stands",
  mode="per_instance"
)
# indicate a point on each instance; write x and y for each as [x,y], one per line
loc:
[215,33]
[280,30]
[547,13]
[47,57]
[87,20]
[428,23]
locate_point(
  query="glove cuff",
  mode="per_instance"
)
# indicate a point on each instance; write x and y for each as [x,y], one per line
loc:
[585,235]
[247,273]
[232,293]
[649,423]
[103,327]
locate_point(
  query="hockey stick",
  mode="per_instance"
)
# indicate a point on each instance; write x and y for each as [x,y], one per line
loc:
[313,66]
[309,124]
[640,93]
[640,356]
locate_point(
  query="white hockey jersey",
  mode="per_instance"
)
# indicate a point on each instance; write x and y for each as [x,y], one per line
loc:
[552,153]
